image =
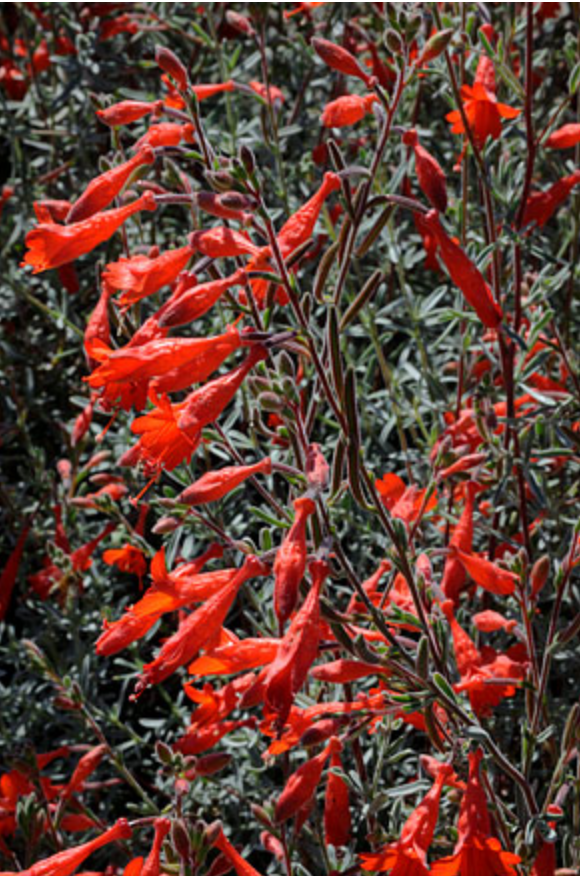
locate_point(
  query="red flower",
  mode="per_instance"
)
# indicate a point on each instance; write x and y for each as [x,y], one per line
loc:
[462,538]
[464,274]
[223,243]
[408,856]
[340,59]
[65,863]
[152,865]
[541,206]
[169,592]
[233,857]
[102,190]
[476,851]
[487,574]
[301,786]
[482,672]
[483,112]
[162,357]
[403,502]
[347,110]
[84,768]
[51,245]
[202,91]
[290,563]
[215,484]
[564,137]
[140,276]
[337,820]
[297,652]
[128,559]
[429,173]
[236,656]
[166,134]
[128,111]
[200,627]
[187,305]
[272,94]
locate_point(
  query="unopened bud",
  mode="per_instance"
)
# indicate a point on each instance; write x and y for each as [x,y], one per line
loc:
[261,815]
[239,23]
[165,525]
[212,763]
[164,753]
[435,46]
[269,401]
[247,158]
[539,575]
[180,840]
[237,201]
[170,63]
[393,42]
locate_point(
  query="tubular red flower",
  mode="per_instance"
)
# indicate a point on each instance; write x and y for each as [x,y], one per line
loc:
[297,652]
[205,404]
[102,190]
[84,768]
[409,854]
[140,276]
[453,581]
[299,227]
[337,820]
[565,137]
[200,627]
[223,243]
[202,92]
[65,863]
[201,356]
[242,867]
[487,574]
[128,111]
[166,134]
[50,245]
[476,851]
[465,275]
[429,173]
[301,786]
[541,206]
[239,656]
[192,303]
[168,593]
[215,485]
[290,563]
[128,559]
[340,59]
[347,110]
[152,865]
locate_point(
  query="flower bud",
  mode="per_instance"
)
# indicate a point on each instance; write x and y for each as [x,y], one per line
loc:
[170,63]
[247,158]
[165,525]
[434,46]
[539,575]
[240,23]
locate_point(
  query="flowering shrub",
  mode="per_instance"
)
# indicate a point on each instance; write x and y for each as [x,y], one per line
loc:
[292,411]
